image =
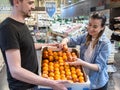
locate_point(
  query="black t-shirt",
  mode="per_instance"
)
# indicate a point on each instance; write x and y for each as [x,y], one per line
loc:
[15,35]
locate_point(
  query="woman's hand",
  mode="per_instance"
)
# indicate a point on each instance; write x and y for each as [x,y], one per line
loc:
[77,61]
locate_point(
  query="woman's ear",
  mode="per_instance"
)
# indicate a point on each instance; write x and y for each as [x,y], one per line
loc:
[103,28]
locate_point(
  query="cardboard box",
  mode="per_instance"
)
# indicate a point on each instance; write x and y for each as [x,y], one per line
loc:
[72,86]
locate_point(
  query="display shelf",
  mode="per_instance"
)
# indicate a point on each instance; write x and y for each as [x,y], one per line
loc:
[115,23]
[1,61]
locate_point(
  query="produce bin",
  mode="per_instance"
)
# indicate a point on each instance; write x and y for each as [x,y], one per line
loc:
[71,86]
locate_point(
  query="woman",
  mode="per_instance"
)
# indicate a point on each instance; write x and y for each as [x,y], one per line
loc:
[94,51]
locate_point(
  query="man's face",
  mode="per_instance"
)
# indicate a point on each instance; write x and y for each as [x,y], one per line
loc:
[25,7]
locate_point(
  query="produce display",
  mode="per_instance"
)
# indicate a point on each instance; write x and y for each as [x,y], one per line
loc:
[55,65]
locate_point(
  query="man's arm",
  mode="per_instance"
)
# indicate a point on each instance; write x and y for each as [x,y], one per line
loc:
[40,45]
[19,73]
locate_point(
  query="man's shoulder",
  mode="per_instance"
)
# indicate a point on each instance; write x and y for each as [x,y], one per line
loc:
[4,23]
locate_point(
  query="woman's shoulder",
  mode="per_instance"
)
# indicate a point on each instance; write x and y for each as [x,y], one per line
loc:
[104,39]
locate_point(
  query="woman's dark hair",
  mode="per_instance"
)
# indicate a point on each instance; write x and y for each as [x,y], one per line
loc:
[11,2]
[101,17]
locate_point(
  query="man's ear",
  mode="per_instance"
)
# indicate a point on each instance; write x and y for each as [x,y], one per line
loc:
[16,2]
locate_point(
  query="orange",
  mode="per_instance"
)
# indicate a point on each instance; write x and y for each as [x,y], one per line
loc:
[80,74]
[63,78]
[81,79]
[45,68]
[51,68]
[45,72]
[74,76]
[49,51]
[45,61]
[57,73]
[60,60]
[67,67]
[64,54]
[64,57]
[45,55]
[45,52]
[61,68]
[73,72]
[67,70]
[44,65]
[45,75]
[68,73]
[51,74]
[55,53]
[62,75]
[69,77]
[56,69]
[78,70]
[66,64]
[50,54]
[60,53]
[62,63]
[56,65]
[72,68]
[52,78]
[56,58]
[62,72]
[57,77]
[75,79]
[50,58]
[51,63]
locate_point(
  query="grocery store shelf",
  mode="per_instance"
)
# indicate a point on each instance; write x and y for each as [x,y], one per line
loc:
[1,66]
[1,61]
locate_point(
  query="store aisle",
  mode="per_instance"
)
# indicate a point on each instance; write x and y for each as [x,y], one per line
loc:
[114,81]
[3,79]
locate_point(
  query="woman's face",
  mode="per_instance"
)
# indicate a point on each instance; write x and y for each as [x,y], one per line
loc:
[94,27]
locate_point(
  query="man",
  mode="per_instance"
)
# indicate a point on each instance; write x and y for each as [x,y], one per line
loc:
[19,52]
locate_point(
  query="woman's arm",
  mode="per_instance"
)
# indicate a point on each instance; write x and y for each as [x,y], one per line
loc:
[85,64]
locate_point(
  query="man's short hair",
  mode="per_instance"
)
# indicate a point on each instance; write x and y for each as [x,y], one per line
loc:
[11,2]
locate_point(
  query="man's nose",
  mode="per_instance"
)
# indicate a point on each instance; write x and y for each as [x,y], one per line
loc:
[33,6]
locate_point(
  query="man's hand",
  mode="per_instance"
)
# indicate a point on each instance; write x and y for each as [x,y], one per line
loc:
[63,43]
[60,85]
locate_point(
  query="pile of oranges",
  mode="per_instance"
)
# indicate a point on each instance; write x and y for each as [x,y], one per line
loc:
[55,66]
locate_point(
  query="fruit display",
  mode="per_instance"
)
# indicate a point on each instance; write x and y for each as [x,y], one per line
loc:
[55,65]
